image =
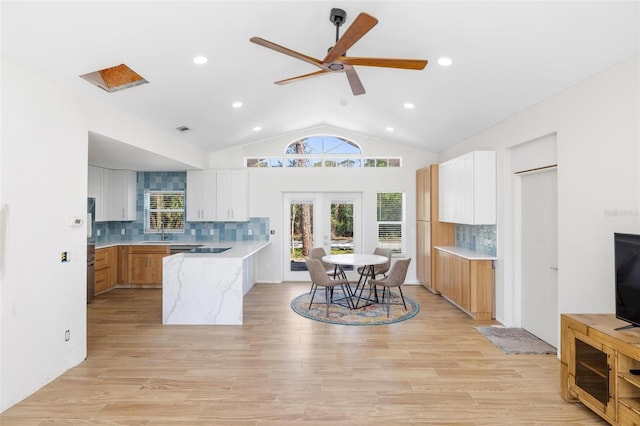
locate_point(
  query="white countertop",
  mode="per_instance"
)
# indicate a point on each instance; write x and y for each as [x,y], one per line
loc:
[238,250]
[467,254]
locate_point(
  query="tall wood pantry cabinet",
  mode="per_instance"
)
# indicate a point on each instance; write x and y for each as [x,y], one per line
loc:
[430,231]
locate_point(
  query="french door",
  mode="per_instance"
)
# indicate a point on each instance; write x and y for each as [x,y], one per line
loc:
[320,219]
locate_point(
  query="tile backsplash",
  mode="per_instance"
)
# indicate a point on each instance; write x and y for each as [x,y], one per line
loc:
[479,238]
[194,231]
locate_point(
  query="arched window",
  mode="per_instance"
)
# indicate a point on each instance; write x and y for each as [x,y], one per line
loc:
[323,145]
[323,151]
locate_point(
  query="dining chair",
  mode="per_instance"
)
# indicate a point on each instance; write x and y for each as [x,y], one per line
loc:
[396,277]
[381,269]
[319,253]
[320,278]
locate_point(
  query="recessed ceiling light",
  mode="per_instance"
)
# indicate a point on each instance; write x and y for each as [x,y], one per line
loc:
[445,62]
[199,60]
[409,105]
[389,129]
[236,104]
[257,129]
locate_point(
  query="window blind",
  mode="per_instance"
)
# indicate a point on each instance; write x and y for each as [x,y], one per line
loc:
[164,210]
[390,218]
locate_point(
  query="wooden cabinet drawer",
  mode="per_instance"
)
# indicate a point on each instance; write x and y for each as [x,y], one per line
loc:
[101,280]
[150,249]
[102,258]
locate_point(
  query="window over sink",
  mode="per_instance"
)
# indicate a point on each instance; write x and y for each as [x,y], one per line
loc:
[163,211]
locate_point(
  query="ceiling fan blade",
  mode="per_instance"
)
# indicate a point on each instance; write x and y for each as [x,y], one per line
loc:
[286,51]
[302,77]
[354,81]
[409,64]
[362,24]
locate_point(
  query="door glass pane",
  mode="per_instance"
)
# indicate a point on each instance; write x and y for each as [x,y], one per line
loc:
[301,234]
[341,228]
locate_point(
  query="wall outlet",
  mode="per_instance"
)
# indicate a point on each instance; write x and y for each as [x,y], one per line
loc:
[193,232]
[250,232]
[97,232]
[123,231]
[211,232]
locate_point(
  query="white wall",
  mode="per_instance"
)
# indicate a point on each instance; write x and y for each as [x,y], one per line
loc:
[43,182]
[268,185]
[598,152]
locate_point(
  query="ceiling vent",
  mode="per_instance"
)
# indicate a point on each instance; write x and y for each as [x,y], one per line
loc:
[115,78]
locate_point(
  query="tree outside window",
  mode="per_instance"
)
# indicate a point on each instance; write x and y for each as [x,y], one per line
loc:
[164,210]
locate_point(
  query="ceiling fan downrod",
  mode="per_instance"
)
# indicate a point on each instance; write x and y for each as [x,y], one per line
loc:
[337,17]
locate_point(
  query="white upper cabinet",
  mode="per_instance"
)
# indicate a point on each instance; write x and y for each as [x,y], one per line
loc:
[467,189]
[115,193]
[233,196]
[201,195]
[96,190]
[123,195]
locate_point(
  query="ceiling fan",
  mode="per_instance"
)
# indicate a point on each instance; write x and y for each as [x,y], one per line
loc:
[336,59]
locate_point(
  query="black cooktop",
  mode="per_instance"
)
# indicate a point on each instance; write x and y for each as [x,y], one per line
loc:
[209,249]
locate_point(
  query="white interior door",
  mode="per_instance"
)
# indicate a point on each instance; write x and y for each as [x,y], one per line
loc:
[539,264]
[334,221]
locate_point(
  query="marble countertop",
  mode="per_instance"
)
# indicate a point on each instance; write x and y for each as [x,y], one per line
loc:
[467,254]
[238,250]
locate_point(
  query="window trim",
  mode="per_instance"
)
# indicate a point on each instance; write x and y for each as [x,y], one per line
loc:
[148,210]
[402,222]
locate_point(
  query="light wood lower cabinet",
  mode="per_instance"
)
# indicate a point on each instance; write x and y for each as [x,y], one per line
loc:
[596,360]
[106,269]
[145,265]
[466,283]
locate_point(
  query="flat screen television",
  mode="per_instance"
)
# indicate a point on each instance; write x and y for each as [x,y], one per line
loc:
[627,262]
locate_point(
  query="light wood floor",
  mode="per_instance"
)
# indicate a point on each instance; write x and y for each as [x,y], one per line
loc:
[281,368]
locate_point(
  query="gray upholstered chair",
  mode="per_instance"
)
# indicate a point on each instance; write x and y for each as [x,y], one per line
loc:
[319,278]
[319,253]
[396,277]
[381,269]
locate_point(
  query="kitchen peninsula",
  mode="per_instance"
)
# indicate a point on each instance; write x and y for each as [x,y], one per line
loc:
[208,287]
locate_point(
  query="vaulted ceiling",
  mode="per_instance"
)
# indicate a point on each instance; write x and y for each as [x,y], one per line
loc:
[507,56]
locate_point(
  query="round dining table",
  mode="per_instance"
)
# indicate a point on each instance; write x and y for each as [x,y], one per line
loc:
[367,261]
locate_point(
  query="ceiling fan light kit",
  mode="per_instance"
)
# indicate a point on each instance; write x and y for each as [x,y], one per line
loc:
[336,59]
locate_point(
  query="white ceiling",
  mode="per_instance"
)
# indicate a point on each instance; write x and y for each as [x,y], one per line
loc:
[507,56]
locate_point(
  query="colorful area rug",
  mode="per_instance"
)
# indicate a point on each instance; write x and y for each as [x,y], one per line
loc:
[374,314]
[513,340]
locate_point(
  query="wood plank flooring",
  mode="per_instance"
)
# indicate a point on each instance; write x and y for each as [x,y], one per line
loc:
[281,368]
